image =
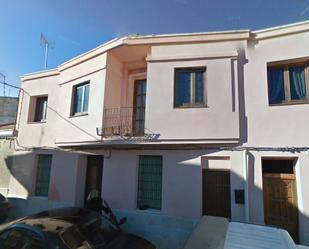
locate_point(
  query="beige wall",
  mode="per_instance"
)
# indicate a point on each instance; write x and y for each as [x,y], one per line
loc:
[32,134]
[216,121]
[60,125]
[114,82]
[67,176]
[80,128]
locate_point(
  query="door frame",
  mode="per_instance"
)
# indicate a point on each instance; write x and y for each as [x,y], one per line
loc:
[100,176]
[132,77]
[230,188]
[295,176]
[204,162]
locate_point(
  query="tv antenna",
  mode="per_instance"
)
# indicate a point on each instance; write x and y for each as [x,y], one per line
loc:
[47,45]
[3,77]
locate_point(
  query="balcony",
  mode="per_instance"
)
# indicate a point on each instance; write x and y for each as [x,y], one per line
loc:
[123,122]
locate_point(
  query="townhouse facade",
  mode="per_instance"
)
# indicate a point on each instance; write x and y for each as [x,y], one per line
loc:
[181,125]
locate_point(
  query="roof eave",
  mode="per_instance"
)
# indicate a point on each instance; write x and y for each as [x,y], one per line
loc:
[283,30]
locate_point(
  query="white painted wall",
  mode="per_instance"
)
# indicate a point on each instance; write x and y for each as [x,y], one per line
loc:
[181,182]
[274,125]
[220,119]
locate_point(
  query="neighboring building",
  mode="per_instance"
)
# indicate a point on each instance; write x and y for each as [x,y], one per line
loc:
[8,109]
[8,113]
[181,125]
[6,150]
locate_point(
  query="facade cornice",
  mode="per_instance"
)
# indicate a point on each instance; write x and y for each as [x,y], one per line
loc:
[283,30]
[41,74]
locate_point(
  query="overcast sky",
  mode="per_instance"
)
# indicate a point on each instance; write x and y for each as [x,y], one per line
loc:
[75,26]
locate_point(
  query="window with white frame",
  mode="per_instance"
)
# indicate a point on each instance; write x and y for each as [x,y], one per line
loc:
[189,88]
[40,109]
[81,98]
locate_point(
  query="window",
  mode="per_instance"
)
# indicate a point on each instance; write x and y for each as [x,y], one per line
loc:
[43,175]
[81,98]
[189,87]
[40,109]
[287,83]
[149,182]
[278,166]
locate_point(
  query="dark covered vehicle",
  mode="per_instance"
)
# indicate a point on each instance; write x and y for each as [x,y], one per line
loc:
[4,208]
[68,228]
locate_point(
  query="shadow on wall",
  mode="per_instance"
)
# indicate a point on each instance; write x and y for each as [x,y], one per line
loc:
[64,174]
[243,121]
[22,168]
[21,173]
[273,205]
[283,213]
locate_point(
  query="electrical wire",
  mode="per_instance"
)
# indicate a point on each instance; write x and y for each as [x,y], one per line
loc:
[10,85]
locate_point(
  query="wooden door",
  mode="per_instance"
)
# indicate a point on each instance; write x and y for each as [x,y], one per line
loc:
[94,174]
[139,107]
[216,193]
[280,202]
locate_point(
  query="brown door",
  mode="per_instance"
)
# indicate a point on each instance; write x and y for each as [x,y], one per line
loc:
[94,174]
[216,193]
[280,202]
[139,107]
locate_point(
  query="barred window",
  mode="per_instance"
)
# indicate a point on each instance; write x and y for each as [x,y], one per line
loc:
[149,182]
[43,175]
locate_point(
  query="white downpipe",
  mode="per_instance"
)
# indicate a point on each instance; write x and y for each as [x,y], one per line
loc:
[245,163]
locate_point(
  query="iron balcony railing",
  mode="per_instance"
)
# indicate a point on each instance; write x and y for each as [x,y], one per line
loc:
[123,121]
[118,121]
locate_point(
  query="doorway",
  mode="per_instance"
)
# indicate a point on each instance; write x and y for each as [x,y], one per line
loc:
[280,195]
[94,174]
[216,193]
[139,107]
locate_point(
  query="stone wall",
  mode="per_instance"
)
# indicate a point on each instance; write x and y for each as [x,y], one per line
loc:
[8,109]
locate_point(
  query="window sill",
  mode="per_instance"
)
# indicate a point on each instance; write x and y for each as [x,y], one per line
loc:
[37,122]
[300,102]
[190,106]
[80,114]
[149,211]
